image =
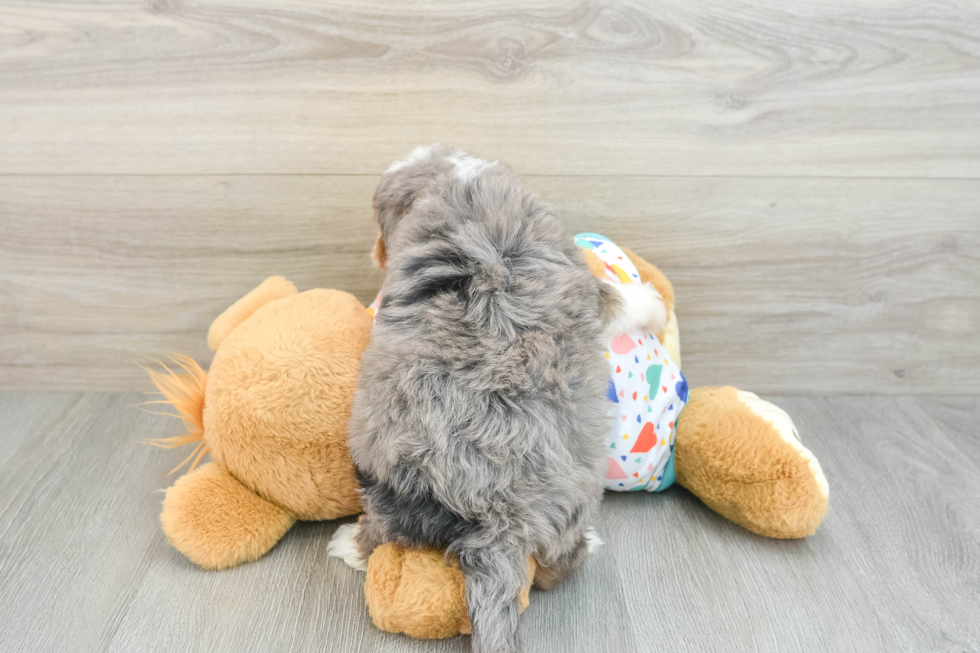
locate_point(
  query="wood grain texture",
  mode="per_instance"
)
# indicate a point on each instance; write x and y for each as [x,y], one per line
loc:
[830,87]
[783,285]
[84,566]
[894,567]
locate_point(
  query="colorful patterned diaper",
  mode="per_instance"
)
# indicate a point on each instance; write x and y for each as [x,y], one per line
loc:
[648,390]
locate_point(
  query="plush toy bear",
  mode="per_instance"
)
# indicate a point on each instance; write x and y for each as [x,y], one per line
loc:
[717,458]
[272,411]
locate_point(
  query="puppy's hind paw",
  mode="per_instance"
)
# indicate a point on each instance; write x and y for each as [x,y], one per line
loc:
[643,310]
[343,545]
[592,540]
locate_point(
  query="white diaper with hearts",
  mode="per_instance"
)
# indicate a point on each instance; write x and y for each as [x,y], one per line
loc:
[648,390]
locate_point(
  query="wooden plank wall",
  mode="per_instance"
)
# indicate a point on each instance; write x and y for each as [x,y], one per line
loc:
[809,177]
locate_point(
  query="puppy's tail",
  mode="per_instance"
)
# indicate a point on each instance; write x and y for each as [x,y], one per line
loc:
[495,576]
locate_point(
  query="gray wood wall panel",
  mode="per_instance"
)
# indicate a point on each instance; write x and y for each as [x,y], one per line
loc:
[808,179]
[887,88]
[783,285]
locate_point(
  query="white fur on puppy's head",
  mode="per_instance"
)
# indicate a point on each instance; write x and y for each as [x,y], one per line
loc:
[420,153]
[467,168]
[643,310]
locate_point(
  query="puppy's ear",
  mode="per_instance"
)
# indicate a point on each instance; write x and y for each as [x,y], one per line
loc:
[405,181]
[379,254]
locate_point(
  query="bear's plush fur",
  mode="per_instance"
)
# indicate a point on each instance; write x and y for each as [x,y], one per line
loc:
[272,410]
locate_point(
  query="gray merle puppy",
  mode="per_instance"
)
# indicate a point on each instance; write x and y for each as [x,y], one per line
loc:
[481,409]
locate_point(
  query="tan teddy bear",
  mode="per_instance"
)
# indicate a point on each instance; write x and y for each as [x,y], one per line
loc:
[272,411]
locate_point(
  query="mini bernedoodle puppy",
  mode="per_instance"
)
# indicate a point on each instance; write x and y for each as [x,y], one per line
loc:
[481,412]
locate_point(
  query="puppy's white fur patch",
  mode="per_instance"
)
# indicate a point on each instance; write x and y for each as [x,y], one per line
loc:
[417,154]
[468,167]
[643,310]
[343,545]
[465,167]
[593,540]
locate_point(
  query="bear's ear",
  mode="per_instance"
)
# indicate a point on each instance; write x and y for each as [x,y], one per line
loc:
[269,290]
[651,275]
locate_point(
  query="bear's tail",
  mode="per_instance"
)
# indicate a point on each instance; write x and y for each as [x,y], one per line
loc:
[185,392]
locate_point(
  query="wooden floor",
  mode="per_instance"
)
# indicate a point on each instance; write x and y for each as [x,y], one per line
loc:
[84,565]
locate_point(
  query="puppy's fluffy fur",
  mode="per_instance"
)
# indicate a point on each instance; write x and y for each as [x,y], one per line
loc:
[481,409]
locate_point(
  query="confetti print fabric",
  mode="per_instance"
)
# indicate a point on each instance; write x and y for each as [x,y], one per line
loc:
[647,389]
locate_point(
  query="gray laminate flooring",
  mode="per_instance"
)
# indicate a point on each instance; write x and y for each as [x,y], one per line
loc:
[895,566]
